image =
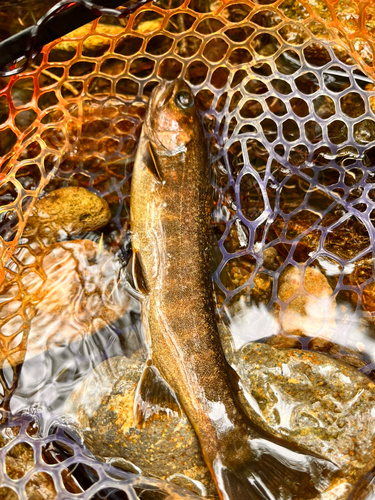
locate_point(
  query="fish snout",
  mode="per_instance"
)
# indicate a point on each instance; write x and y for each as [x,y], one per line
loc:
[166,91]
[171,120]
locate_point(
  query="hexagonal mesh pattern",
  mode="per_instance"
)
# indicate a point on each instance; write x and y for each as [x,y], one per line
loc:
[55,465]
[290,125]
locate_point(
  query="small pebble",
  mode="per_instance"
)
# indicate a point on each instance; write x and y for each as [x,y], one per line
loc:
[310,307]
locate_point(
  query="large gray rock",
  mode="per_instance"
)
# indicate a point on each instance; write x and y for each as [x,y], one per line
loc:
[320,403]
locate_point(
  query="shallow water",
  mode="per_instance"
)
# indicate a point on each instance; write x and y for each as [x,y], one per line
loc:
[290,126]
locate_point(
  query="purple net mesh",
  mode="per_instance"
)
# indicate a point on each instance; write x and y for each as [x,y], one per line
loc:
[51,464]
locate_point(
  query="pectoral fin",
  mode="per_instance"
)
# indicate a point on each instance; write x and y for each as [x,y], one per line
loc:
[137,274]
[153,396]
[151,162]
[128,281]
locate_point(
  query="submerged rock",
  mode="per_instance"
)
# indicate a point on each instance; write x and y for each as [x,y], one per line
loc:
[74,290]
[165,446]
[68,211]
[368,297]
[310,308]
[307,398]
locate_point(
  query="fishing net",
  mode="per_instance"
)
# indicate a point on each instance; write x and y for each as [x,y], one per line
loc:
[288,105]
[50,465]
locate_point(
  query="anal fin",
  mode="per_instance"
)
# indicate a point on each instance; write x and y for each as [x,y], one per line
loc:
[154,396]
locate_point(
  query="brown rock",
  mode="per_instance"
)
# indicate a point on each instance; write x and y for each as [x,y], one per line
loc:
[281,341]
[165,447]
[310,309]
[19,460]
[41,487]
[8,494]
[68,211]
[368,297]
[271,259]
[236,273]
[346,240]
[320,403]
[351,356]
[73,291]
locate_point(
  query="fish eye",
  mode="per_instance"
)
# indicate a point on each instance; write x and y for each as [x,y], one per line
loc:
[184,99]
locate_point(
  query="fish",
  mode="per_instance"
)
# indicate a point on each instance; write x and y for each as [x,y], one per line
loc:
[171,241]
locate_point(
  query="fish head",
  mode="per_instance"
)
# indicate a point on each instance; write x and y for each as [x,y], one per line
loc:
[171,121]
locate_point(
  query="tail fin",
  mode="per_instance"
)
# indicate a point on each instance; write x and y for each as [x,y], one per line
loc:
[238,486]
[274,473]
[270,468]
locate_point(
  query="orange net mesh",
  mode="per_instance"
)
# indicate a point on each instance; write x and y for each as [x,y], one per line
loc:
[351,22]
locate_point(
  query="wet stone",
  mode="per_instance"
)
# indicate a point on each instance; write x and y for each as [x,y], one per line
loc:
[69,211]
[340,239]
[164,446]
[310,309]
[8,494]
[281,341]
[237,273]
[271,259]
[41,487]
[19,460]
[350,356]
[310,399]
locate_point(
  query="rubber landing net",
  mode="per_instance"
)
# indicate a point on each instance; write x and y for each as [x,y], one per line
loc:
[288,104]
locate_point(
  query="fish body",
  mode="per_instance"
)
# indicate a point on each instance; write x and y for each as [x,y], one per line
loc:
[170,223]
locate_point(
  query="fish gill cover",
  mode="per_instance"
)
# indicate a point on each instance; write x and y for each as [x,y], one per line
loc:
[288,105]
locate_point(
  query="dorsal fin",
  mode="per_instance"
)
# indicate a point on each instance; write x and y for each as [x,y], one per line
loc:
[154,396]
